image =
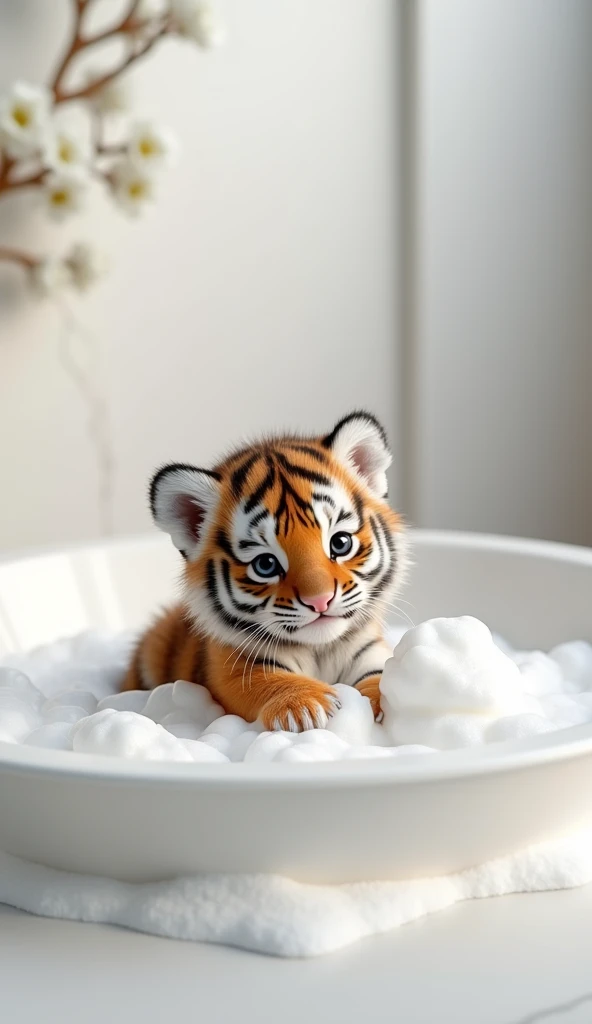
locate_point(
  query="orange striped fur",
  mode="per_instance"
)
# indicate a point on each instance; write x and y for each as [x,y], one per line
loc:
[292,556]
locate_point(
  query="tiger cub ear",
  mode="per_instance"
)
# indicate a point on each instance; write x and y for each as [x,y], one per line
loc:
[180,499]
[359,441]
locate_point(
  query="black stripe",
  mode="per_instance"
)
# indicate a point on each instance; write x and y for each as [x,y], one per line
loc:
[384,582]
[367,675]
[238,606]
[223,542]
[273,665]
[386,534]
[359,414]
[303,472]
[173,468]
[263,488]
[302,519]
[373,573]
[257,517]
[226,616]
[298,501]
[246,581]
[390,573]
[326,498]
[307,450]
[282,510]
[361,651]
[246,544]
[240,475]
[359,508]
[342,515]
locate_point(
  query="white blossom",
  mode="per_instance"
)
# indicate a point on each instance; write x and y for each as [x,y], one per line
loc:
[49,276]
[64,193]
[24,117]
[67,149]
[85,264]
[197,21]
[113,98]
[151,145]
[147,10]
[133,187]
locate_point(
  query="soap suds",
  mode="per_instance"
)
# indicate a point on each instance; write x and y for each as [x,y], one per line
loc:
[449,684]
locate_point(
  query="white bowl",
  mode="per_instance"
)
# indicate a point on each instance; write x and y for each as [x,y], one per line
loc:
[317,822]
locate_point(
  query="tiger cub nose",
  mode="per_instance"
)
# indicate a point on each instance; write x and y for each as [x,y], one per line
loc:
[320,603]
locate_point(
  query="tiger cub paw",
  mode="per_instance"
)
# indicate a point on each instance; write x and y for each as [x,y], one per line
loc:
[304,705]
[370,688]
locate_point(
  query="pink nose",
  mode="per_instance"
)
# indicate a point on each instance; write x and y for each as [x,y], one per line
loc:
[320,603]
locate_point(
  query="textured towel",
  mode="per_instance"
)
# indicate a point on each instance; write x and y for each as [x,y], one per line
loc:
[275,915]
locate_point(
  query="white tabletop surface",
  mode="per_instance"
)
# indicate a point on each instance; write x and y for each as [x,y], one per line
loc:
[516,960]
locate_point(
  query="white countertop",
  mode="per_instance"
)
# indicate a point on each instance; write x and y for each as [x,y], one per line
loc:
[499,961]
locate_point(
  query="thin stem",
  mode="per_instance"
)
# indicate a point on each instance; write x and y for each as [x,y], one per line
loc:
[111,149]
[73,47]
[127,23]
[86,91]
[7,165]
[24,259]
[9,185]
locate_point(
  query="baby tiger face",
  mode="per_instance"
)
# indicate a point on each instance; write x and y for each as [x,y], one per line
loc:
[290,539]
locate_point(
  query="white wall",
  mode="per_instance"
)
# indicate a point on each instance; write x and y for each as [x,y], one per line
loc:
[260,293]
[500,334]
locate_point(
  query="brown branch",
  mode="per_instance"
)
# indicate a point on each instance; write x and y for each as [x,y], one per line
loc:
[24,259]
[72,49]
[111,149]
[79,42]
[127,24]
[11,184]
[85,92]
[7,165]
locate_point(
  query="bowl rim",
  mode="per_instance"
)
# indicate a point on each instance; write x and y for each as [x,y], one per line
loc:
[467,540]
[492,758]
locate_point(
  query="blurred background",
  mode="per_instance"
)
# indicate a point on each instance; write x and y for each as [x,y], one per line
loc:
[378,204]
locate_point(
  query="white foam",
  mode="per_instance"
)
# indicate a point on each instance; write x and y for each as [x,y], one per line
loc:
[449,684]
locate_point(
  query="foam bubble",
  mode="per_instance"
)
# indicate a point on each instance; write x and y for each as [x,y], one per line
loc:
[17,684]
[575,662]
[54,736]
[129,700]
[516,727]
[127,734]
[354,721]
[74,699]
[448,685]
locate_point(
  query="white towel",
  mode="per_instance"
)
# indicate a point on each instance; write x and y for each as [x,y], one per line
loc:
[275,915]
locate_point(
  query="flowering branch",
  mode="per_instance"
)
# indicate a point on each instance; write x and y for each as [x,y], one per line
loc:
[39,151]
[89,90]
[76,44]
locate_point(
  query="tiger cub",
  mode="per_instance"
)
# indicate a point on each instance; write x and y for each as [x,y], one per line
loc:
[292,556]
